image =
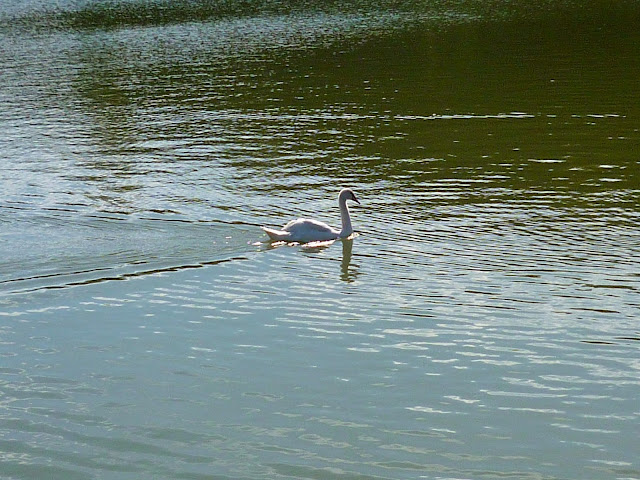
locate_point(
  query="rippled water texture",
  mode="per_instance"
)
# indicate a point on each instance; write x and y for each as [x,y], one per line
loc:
[483,323]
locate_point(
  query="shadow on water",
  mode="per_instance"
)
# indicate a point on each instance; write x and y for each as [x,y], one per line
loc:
[140,13]
[467,90]
[488,98]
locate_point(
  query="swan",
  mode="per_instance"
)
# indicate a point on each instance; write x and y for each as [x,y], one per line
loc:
[305,230]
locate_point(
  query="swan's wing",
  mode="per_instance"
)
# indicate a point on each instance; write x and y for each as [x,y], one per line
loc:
[302,230]
[277,235]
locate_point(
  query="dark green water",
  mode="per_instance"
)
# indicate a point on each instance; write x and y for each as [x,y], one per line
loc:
[482,324]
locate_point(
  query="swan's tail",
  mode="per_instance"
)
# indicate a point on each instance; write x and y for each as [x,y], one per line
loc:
[277,235]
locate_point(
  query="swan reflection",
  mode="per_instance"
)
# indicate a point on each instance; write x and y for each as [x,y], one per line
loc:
[348,272]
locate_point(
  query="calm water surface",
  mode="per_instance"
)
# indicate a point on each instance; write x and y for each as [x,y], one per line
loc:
[482,324]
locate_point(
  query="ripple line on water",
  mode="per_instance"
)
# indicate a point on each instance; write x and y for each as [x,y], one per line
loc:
[117,277]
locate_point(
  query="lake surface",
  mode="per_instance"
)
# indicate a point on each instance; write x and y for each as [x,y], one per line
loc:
[483,323]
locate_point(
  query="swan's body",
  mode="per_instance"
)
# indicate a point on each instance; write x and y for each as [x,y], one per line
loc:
[305,230]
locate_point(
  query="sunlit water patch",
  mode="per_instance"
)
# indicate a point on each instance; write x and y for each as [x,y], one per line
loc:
[274,365]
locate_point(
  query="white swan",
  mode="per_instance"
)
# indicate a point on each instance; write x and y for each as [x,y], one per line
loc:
[304,230]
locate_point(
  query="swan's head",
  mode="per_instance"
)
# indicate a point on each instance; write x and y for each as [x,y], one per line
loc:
[347,194]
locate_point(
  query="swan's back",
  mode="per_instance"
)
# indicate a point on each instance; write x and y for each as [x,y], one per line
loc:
[307,230]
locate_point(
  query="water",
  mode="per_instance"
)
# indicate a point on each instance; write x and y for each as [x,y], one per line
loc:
[483,322]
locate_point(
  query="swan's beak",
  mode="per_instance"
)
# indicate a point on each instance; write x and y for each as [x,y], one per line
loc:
[356,200]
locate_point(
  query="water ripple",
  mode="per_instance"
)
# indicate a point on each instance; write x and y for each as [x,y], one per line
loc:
[483,322]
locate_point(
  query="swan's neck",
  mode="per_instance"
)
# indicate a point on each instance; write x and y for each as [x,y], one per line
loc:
[347,229]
